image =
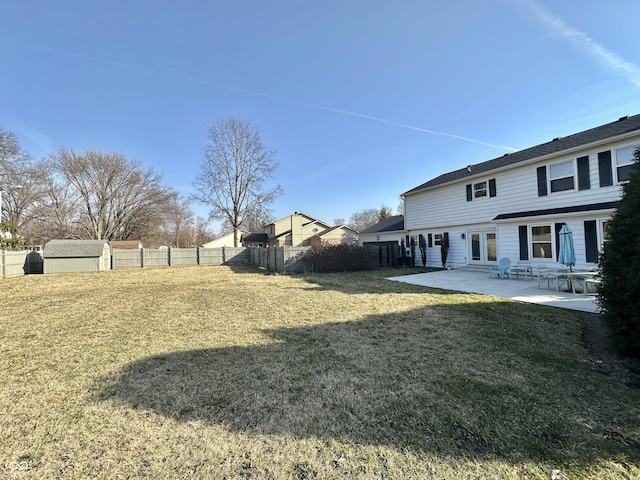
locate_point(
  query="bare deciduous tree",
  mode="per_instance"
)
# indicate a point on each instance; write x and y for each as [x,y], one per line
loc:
[179,223]
[11,153]
[115,197]
[234,171]
[363,219]
[20,182]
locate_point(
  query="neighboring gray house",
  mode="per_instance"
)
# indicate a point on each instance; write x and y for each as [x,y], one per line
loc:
[64,256]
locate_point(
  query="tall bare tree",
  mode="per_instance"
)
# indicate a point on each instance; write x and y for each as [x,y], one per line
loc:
[234,172]
[11,153]
[363,219]
[179,223]
[20,181]
[116,198]
[57,211]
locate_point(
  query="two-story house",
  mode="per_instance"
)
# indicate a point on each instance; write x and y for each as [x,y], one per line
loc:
[514,205]
[298,230]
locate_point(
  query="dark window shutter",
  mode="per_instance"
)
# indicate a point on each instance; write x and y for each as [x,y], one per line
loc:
[542,181]
[469,193]
[492,187]
[604,168]
[430,240]
[584,180]
[558,227]
[524,242]
[591,241]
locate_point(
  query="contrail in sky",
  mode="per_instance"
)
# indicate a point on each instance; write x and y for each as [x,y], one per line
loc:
[345,112]
[610,59]
[266,95]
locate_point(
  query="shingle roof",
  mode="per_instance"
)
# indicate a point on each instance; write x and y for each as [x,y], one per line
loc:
[391,224]
[603,132]
[126,244]
[74,248]
[592,207]
[254,238]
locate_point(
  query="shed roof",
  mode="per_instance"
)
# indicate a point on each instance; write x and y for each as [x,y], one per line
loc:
[610,130]
[126,244]
[74,248]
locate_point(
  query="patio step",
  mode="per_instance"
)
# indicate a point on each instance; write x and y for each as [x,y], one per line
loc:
[476,268]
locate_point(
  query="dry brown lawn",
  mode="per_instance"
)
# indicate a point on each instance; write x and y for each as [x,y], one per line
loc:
[214,372]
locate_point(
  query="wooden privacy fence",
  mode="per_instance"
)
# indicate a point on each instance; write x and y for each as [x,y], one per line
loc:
[275,259]
[278,259]
[15,264]
[170,257]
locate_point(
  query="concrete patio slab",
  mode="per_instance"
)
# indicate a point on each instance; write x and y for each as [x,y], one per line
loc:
[520,290]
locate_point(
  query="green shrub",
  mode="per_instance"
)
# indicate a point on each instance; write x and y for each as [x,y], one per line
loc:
[619,294]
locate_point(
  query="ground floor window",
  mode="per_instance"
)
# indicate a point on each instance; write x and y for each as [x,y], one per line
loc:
[541,241]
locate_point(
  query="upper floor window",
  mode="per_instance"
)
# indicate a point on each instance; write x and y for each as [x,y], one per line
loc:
[437,239]
[561,176]
[485,188]
[479,189]
[624,160]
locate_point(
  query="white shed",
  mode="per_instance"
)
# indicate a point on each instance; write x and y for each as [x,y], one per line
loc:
[64,256]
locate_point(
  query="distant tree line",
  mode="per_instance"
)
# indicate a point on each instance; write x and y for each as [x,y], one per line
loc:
[107,196]
[90,195]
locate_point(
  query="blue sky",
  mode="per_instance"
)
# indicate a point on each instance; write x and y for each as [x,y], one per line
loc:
[362,100]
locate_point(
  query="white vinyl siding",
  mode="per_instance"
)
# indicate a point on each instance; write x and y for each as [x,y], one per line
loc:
[446,206]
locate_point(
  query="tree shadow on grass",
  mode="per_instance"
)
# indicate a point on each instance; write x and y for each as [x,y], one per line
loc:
[407,381]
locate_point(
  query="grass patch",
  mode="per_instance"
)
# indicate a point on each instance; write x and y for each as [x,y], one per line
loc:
[213,372]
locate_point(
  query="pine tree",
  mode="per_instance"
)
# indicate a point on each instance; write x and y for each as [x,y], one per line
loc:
[619,293]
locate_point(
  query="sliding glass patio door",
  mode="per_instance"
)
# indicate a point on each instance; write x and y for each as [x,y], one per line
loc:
[483,247]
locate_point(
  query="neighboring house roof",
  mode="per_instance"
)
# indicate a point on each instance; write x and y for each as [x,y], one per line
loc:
[302,214]
[339,227]
[281,234]
[126,244]
[74,248]
[610,130]
[390,224]
[254,238]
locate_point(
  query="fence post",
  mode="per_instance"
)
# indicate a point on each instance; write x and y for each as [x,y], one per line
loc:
[142,258]
[4,264]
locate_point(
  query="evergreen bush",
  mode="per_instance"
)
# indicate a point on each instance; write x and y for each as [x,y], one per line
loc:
[619,294]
